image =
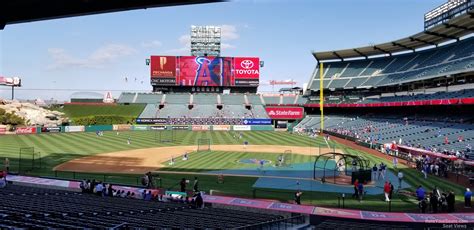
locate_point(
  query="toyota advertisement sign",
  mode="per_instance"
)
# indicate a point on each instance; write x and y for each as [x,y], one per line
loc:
[246,71]
[285,113]
[204,71]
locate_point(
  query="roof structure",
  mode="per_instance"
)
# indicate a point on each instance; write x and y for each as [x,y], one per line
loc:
[453,29]
[19,11]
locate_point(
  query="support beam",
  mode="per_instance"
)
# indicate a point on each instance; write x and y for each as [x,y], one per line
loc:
[447,25]
[360,53]
[422,41]
[403,46]
[337,55]
[380,49]
[441,35]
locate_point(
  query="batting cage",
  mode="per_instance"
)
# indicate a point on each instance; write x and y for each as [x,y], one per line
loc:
[204,145]
[28,160]
[165,136]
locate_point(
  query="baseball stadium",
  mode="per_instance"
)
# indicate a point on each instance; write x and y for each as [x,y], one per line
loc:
[377,137]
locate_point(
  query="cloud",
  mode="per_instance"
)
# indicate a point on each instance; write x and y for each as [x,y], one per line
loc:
[226,46]
[151,44]
[229,32]
[97,59]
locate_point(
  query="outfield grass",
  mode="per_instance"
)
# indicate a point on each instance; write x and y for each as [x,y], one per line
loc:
[77,111]
[58,148]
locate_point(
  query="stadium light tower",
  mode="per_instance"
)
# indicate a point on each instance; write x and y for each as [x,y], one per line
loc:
[205,41]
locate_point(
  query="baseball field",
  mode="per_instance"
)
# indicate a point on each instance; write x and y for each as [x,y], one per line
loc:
[122,157]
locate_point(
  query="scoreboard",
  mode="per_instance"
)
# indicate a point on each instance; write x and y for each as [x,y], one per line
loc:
[204,71]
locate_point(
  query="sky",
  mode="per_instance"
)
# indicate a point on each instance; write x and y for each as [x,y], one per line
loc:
[56,58]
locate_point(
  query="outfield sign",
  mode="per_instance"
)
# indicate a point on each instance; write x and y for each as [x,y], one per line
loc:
[122,127]
[285,113]
[257,121]
[25,130]
[221,127]
[151,120]
[242,127]
[70,129]
[3,129]
[51,129]
[157,127]
[140,127]
[201,127]
[180,127]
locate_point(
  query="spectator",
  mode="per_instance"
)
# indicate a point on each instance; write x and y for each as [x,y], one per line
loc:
[6,163]
[386,190]
[196,185]
[360,188]
[84,185]
[3,180]
[420,193]
[110,190]
[150,180]
[182,184]
[148,195]
[451,199]
[467,198]
[400,179]
[356,187]
[98,188]
[434,202]
[423,204]
[298,197]
[199,202]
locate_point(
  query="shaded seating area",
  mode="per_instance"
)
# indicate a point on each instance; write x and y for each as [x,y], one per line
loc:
[30,207]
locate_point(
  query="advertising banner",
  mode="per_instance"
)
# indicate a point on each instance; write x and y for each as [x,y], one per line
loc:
[70,129]
[140,127]
[122,127]
[205,71]
[246,71]
[157,127]
[180,127]
[257,121]
[221,127]
[151,120]
[242,127]
[51,129]
[94,128]
[3,129]
[201,127]
[25,130]
[163,70]
[289,113]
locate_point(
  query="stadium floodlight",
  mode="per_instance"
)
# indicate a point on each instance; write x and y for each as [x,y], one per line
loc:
[205,40]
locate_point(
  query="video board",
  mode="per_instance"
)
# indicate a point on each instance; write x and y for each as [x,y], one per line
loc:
[204,71]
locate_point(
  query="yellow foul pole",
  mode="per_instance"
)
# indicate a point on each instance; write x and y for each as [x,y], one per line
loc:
[321,95]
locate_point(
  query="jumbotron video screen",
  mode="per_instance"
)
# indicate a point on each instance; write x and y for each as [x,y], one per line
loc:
[204,71]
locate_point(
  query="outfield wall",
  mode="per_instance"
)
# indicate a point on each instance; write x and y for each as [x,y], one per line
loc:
[126,127]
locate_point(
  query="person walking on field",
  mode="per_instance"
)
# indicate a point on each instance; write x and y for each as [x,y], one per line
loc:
[467,198]
[298,197]
[400,179]
[7,164]
[386,190]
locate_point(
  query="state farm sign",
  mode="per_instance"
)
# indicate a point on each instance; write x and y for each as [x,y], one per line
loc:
[247,67]
[289,113]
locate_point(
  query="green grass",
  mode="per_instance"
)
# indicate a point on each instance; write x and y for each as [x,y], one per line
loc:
[76,111]
[58,148]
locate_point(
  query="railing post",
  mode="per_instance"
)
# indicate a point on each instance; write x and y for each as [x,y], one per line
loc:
[343,197]
[339,202]
[254,193]
[74,175]
[390,206]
